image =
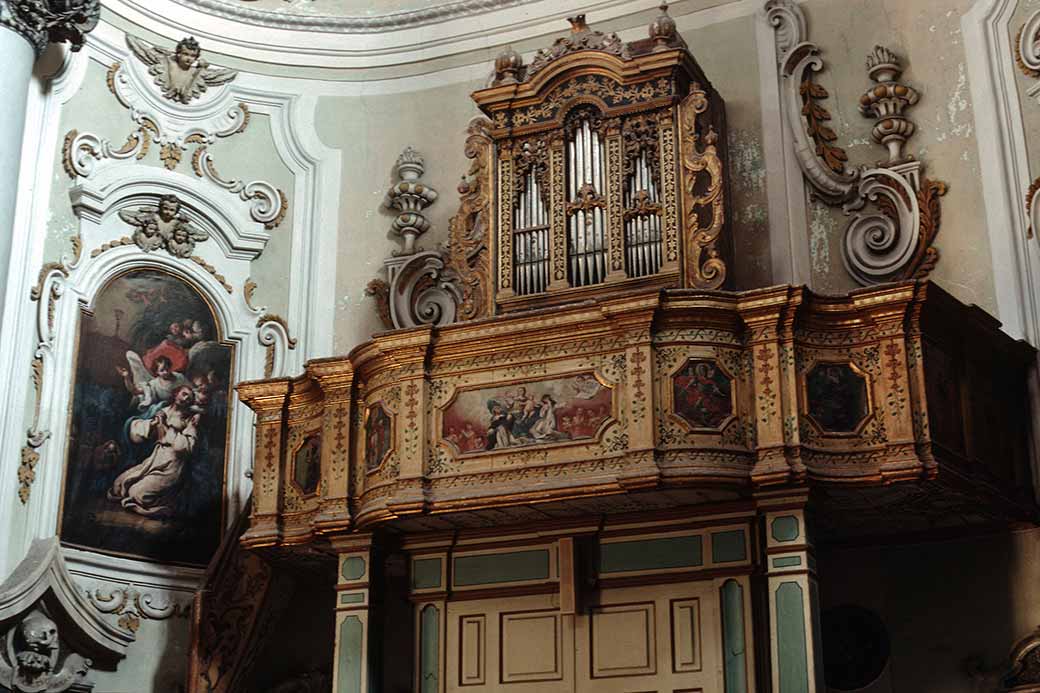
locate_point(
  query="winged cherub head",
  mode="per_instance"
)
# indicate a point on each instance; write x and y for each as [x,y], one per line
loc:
[187,52]
[169,206]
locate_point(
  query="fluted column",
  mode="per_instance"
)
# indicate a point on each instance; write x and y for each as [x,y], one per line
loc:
[26,27]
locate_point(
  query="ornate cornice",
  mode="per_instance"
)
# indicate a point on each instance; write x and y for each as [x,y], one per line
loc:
[391,21]
[44,21]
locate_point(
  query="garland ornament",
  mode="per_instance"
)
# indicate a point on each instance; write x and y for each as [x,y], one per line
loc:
[892,241]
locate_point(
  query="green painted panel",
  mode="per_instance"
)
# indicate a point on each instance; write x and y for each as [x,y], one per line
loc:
[787,562]
[351,647]
[785,528]
[429,653]
[735,652]
[488,569]
[728,547]
[790,638]
[353,568]
[651,554]
[351,598]
[426,573]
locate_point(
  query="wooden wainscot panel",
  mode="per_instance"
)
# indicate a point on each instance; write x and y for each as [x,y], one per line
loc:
[531,646]
[623,640]
[686,635]
[473,650]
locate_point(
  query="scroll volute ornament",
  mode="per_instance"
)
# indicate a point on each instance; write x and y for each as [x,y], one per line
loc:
[703,185]
[893,241]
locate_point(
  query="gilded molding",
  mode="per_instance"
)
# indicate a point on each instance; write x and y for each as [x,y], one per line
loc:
[895,241]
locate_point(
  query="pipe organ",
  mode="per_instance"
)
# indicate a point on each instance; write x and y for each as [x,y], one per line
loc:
[608,169]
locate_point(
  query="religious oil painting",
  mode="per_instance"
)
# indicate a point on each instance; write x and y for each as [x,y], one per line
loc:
[532,413]
[702,394]
[378,436]
[837,397]
[149,423]
[307,464]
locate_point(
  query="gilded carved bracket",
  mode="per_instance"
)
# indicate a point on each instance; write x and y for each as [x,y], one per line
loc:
[892,240]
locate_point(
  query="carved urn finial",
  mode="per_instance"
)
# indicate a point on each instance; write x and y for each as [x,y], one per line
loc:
[662,29]
[886,102]
[410,197]
[508,65]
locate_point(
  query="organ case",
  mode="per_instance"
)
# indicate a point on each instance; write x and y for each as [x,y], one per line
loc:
[610,169]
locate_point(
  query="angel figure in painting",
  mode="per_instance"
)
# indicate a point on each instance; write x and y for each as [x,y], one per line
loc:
[150,488]
[151,387]
[164,226]
[182,74]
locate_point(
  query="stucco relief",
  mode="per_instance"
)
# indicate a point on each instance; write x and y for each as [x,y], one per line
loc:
[182,74]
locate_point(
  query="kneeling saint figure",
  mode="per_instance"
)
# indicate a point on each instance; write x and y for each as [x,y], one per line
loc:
[150,488]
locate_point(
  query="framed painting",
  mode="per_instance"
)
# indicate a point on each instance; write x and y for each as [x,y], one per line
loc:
[702,394]
[148,437]
[569,408]
[837,395]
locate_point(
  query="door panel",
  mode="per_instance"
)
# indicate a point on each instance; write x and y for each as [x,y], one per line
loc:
[520,644]
[654,639]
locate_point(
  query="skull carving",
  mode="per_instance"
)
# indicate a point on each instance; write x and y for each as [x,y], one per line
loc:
[36,647]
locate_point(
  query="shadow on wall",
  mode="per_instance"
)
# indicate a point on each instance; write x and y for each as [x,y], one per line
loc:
[952,611]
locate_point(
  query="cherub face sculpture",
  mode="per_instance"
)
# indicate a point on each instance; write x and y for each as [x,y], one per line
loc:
[38,636]
[186,53]
[169,206]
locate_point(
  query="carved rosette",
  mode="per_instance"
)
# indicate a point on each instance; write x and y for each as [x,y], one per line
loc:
[892,241]
[703,198]
[51,21]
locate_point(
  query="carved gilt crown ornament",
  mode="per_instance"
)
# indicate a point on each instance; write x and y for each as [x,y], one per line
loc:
[46,21]
[893,241]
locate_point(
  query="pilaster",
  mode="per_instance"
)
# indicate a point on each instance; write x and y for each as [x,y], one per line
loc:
[352,671]
[336,379]
[795,658]
[268,399]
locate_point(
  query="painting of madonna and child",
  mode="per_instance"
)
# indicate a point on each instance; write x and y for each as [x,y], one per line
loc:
[149,421]
[533,413]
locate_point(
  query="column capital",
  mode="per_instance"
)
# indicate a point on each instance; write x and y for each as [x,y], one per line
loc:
[50,21]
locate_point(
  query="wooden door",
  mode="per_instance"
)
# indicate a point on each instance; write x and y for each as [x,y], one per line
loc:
[653,639]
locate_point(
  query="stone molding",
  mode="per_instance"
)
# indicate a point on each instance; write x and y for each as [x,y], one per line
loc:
[390,21]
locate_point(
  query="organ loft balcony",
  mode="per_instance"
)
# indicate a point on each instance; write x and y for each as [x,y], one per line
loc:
[579,348]
[900,408]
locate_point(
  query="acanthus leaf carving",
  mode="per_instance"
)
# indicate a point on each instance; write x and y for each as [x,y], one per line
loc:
[895,241]
[702,188]
[132,606]
[1027,50]
[469,254]
[45,21]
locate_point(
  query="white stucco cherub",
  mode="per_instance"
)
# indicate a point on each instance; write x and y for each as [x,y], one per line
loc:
[182,74]
[164,227]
